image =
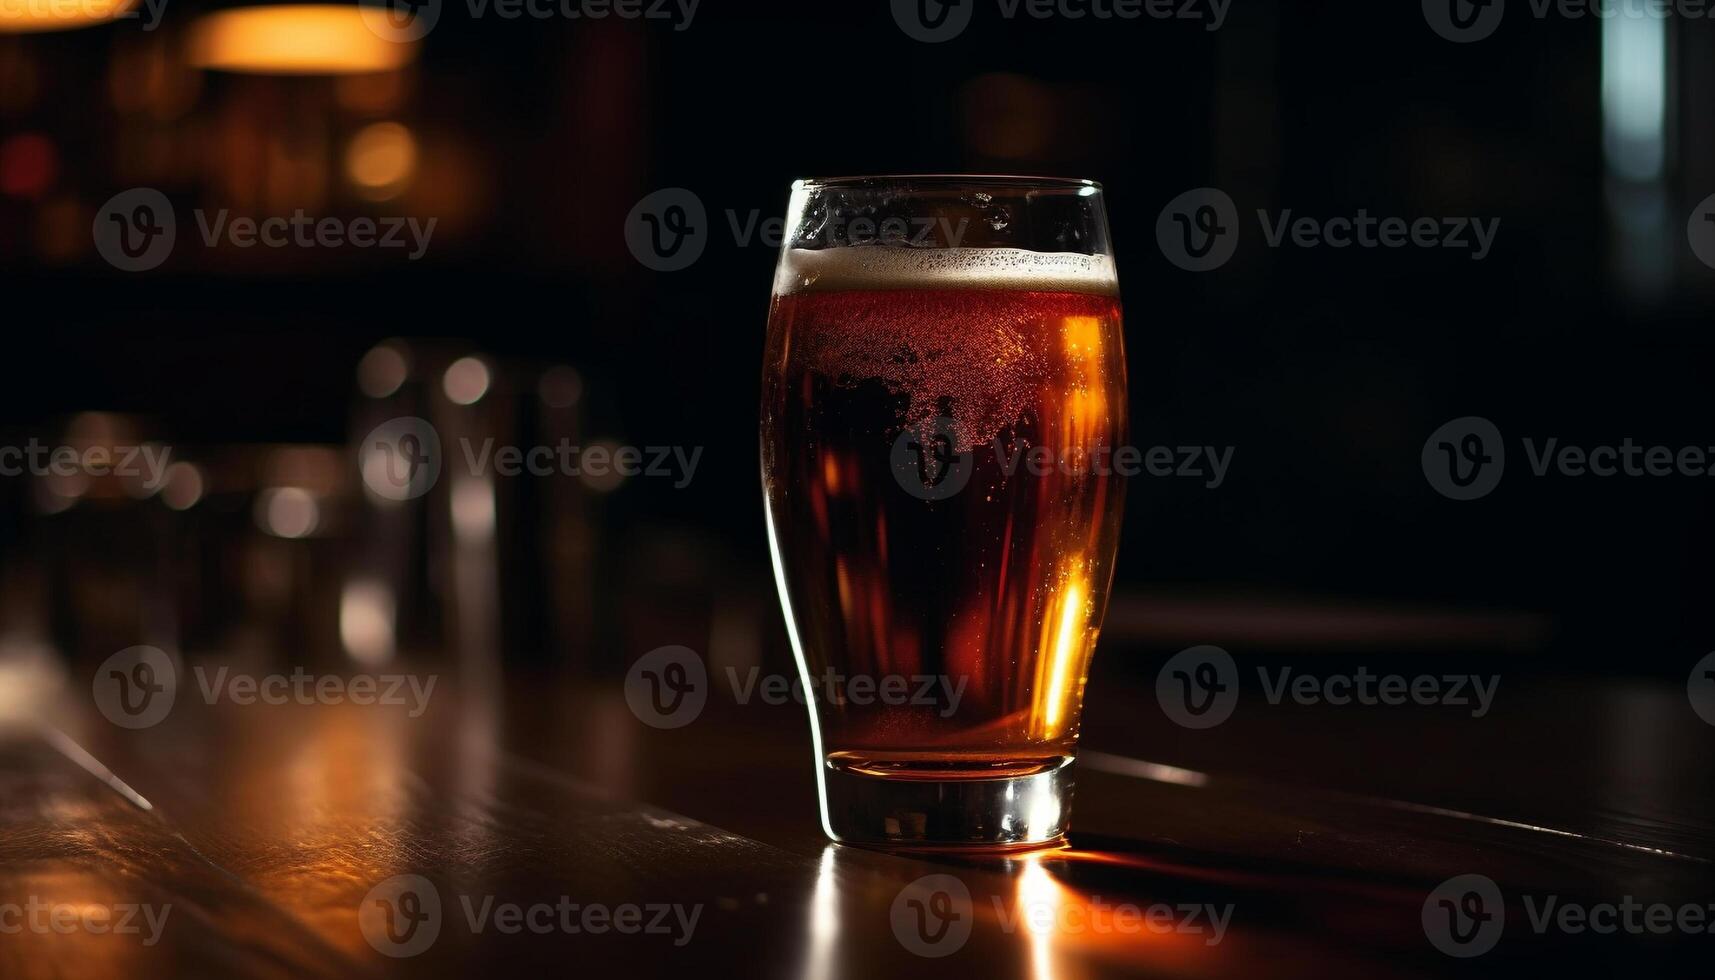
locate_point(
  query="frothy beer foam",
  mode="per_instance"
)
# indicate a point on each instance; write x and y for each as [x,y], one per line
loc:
[978,337]
[895,267]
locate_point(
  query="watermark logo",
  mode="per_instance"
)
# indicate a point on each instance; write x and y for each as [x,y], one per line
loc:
[1098,916]
[1464,459]
[933,21]
[403,21]
[77,13]
[301,230]
[1700,688]
[401,917]
[596,461]
[147,464]
[135,229]
[668,687]
[136,687]
[1464,916]
[1198,687]
[400,21]
[400,459]
[1700,231]
[1199,230]
[933,916]
[924,463]
[938,691]
[668,230]
[1464,21]
[41,917]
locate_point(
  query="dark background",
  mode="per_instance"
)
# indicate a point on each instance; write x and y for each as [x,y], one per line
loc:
[1326,370]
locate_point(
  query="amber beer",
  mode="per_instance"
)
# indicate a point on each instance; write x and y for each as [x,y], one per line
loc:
[937,426]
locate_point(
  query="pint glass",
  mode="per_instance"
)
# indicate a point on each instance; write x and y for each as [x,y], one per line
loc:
[943,393]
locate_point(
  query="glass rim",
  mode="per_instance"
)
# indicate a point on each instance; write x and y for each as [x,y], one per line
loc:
[1015,181]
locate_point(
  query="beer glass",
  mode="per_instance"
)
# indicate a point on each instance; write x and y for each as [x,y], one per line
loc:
[943,394]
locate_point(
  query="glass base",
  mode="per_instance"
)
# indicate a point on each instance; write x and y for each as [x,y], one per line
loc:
[1010,811]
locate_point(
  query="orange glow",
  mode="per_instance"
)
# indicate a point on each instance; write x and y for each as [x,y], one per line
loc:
[831,474]
[1083,336]
[1065,930]
[1065,660]
[21,16]
[294,39]
[381,160]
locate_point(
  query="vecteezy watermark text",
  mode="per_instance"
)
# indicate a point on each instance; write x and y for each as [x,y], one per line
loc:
[566,458]
[934,21]
[1207,463]
[404,21]
[42,917]
[136,230]
[668,230]
[936,691]
[933,915]
[1199,688]
[401,459]
[1199,231]
[668,687]
[1465,458]
[402,917]
[926,466]
[79,12]
[301,230]
[1466,915]
[138,686]
[409,691]
[680,12]
[146,463]
[1465,21]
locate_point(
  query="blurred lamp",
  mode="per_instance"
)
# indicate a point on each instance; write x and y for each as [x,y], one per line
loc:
[384,369]
[466,381]
[184,486]
[30,16]
[381,159]
[287,512]
[294,39]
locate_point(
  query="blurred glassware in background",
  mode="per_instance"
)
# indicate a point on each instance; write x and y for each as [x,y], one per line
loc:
[476,559]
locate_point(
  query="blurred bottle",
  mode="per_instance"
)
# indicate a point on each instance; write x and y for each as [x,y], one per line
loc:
[476,547]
